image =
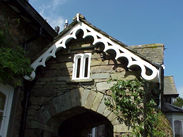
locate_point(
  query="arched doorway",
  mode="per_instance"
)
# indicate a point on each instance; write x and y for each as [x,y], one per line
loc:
[85,124]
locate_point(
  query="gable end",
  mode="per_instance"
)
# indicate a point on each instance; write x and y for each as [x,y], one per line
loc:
[121,52]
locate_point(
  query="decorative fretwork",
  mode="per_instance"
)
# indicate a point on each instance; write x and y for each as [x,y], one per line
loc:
[121,52]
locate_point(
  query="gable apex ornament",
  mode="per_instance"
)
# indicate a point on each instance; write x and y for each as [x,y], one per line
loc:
[79,17]
[109,44]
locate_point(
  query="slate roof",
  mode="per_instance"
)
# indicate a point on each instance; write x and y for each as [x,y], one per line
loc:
[151,52]
[23,8]
[169,86]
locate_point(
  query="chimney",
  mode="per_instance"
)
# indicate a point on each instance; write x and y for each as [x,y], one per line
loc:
[57,29]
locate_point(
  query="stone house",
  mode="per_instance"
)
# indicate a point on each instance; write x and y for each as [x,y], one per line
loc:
[173,113]
[30,31]
[64,95]
[67,97]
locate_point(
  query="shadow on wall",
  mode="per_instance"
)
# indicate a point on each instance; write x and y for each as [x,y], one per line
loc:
[62,107]
[86,124]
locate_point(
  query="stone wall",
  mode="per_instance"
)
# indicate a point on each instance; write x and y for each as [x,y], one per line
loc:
[55,93]
[22,31]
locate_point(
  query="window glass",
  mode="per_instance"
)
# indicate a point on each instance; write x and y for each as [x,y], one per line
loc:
[78,67]
[81,66]
[86,68]
[2,100]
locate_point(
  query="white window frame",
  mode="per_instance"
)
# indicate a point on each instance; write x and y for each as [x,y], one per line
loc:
[94,132]
[8,92]
[82,66]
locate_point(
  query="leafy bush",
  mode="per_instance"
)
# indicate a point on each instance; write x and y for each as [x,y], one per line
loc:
[178,102]
[13,63]
[135,107]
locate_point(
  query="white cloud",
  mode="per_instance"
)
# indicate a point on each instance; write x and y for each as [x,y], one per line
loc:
[49,5]
[180,91]
[58,2]
[49,11]
[58,21]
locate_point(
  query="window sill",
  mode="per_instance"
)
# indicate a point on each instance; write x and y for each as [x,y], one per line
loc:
[80,80]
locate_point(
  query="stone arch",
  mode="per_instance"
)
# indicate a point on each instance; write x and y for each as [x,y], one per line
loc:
[91,100]
[74,103]
[79,121]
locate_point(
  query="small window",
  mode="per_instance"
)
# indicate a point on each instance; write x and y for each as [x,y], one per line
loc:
[81,66]
[178,129]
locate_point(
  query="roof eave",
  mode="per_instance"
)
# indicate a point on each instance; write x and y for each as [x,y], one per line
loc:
[172,95]
[27,8]
[82,19]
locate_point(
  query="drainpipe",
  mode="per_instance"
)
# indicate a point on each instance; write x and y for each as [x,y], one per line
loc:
[161,82]
[25,104]
[161,85]
[27,90]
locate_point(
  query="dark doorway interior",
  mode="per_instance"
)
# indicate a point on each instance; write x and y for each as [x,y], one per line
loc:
[87,124]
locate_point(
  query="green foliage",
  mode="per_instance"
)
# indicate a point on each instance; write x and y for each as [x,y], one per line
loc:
[4,39]
[135,107]
[126,95]
[163,125]
[178,102]
[13,63]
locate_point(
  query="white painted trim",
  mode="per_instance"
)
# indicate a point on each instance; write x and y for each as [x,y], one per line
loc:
[173,127]
[174,119]
[8,91]
[94,132]
[109,45]
[77,17]
[83,57]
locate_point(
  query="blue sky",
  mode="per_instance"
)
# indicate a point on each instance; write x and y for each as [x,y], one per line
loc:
[133,22]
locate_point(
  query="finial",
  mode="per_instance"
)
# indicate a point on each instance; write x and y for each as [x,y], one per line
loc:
[77,17]
[66,23]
